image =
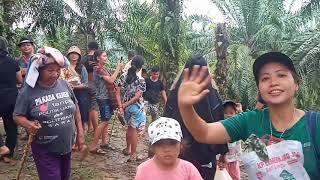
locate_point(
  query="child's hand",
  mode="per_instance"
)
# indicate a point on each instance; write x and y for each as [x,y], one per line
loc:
[194,86]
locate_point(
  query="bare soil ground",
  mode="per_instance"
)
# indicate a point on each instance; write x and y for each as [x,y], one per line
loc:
[111,166]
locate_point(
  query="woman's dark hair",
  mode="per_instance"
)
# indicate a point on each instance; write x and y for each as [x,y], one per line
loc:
[136,63]
[79,65]
[97,54]
[93,45]
[192,61]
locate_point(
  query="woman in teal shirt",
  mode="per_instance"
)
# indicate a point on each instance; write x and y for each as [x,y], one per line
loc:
[278,82]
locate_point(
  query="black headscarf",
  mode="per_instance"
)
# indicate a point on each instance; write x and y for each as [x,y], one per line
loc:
[209,108]
[3,46]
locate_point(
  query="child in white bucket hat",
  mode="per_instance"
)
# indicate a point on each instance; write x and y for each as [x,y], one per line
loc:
[165,138]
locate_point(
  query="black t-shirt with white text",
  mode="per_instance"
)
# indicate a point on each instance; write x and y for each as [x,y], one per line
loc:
[54,108]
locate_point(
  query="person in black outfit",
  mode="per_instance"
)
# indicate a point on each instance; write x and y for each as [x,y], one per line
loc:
[10,75]
[202,156]
[89,63]
[154,88]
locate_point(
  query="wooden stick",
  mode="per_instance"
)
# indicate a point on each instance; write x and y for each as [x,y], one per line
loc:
[26,152]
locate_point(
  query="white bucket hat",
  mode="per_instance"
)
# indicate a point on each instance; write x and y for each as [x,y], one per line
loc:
[164,128]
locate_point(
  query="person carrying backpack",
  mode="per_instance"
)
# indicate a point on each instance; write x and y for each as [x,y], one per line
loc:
[297,130]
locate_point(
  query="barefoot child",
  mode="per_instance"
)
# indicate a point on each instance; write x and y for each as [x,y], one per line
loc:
[165,138]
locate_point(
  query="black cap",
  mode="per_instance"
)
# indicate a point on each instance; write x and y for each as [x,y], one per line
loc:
[25,40]
[269,57]
[228,102]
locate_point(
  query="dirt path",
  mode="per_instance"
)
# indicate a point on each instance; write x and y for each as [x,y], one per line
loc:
[111,166]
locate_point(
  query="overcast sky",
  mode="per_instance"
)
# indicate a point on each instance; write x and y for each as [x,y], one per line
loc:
[206,7]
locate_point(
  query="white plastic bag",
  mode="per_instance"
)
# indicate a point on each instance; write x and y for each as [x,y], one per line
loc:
[285,162]
[222,174]
[234,153]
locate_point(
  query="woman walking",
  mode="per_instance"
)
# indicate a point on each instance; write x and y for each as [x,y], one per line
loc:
[102,77]
[50,101]
[132,88]
[77,76]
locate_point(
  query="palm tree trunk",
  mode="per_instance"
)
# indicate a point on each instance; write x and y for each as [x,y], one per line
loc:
[221,44]
[170,38]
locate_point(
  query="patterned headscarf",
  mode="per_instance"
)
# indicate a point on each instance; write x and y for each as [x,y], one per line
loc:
[45,56]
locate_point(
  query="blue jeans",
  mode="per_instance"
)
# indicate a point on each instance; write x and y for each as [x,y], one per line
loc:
[105,108]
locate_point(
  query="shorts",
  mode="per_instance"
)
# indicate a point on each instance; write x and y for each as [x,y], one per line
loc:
[135,117]
[93,105]
[152,109]
[105,108]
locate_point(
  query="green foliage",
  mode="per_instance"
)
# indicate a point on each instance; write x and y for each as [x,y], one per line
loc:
[305,51]
[159,32]
[262,26]
[241,84]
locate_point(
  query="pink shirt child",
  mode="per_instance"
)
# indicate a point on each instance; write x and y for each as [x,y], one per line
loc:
[184,171]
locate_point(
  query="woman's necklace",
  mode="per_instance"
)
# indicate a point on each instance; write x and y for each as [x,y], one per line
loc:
[294,110]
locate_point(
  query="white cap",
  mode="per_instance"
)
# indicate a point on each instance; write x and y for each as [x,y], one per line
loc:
[164,128]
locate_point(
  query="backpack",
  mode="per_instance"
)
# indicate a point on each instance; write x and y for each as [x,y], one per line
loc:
[312,129]
[114,98]
[112,92]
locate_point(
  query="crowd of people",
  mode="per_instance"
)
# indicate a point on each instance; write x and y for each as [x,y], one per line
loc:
[58,98]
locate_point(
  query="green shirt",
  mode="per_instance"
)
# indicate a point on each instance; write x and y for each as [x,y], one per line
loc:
[257,122]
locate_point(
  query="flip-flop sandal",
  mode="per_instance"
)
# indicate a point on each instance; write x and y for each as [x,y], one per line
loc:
[6,159]
[107,146]
[98,151]
[134,160]
[125,152]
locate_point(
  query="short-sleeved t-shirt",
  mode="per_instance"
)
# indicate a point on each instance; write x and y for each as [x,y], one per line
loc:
[54,108]
[85,60]
[183,171]
[8,88]
[153,89]
[23,63]
[100,84]
[257,122]
[130,90]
